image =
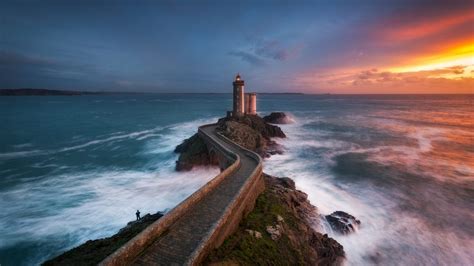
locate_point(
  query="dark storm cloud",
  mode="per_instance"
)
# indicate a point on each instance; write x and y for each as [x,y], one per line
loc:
[18,60]
[248,57]
[199,46]
[272,49]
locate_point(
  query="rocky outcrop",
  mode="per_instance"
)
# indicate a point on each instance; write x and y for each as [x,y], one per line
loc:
[257,123]
[279,230]
[342,222]
[253,133]
[94,251]
[193,152]
[278,118]
[249,131]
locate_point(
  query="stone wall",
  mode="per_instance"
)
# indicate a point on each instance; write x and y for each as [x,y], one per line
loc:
[241,205]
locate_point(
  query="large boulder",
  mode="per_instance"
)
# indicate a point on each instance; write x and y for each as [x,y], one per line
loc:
[342,222]
[278,118]
[194,152]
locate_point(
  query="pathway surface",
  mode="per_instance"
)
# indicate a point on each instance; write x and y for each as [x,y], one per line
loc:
[175,246]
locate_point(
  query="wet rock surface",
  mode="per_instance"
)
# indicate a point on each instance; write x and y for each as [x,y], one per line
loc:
[285,217]
[342,222]
[278,118]
[193,152]
[94,251]
[249,131]
[257,123]
[253,133]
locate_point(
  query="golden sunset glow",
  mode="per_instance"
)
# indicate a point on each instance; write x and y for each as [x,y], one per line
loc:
[458,56]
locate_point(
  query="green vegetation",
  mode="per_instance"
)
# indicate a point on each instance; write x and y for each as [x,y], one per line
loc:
[246,249]
[290,240]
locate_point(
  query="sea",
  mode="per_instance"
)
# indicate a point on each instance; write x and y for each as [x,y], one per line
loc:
[74,168]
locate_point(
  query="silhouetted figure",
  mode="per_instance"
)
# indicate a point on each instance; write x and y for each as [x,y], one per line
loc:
[138,215]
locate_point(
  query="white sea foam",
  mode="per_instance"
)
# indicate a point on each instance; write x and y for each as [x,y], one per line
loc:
[96,203]
[386,235]
[100,202]
[23,145]
[18,154]
[179,132]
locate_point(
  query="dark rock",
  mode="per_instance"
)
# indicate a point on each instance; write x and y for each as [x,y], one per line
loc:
[253,133]
[329,250]
[288,217]
[193,152]
[272,148]
[243,135]
[249,131]
[278,118]
[342,222]
[94,251]
[258,124]
[286,182]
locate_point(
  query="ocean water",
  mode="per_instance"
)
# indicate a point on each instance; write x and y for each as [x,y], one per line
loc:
[77,168]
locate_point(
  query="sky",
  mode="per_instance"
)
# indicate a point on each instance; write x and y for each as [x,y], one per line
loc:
[277,46]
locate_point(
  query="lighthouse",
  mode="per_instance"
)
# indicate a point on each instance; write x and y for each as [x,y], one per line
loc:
[239,105]
[244,103]
[251,103]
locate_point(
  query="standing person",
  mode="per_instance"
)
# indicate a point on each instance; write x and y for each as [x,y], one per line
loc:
[138,215]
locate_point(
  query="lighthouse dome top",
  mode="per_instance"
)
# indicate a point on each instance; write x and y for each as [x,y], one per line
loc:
[237,78]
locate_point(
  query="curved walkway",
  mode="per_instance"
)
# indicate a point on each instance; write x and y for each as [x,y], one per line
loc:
[183,242]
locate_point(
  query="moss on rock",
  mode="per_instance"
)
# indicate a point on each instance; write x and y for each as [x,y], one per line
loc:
[285,209]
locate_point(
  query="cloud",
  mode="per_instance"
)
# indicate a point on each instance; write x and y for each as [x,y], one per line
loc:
[16,59]
[262,51]
[409,26]
[457,69]
[248,57]
[444,80]
[272,50]
[375,76]
[32,70]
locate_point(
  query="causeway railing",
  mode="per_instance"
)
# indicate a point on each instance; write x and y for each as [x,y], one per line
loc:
[126,254]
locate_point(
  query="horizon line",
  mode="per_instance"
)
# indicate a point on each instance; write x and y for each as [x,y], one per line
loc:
[164,92]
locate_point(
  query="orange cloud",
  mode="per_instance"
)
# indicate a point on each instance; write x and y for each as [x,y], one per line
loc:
[424,28]
[451,55]
[376,81]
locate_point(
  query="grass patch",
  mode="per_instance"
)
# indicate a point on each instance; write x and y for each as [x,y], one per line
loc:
[246,249]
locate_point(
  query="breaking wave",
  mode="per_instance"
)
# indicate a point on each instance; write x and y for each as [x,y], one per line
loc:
[67,209]
[414,201]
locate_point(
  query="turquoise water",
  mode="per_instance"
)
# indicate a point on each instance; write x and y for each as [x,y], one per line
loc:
[77,168]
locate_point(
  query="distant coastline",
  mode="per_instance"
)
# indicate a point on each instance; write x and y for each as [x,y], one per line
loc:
[49,92]
[42,92]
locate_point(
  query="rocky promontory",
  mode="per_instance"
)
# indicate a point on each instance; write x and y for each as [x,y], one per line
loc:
[249,131]
[279,230]
[278,118]
[94,251]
